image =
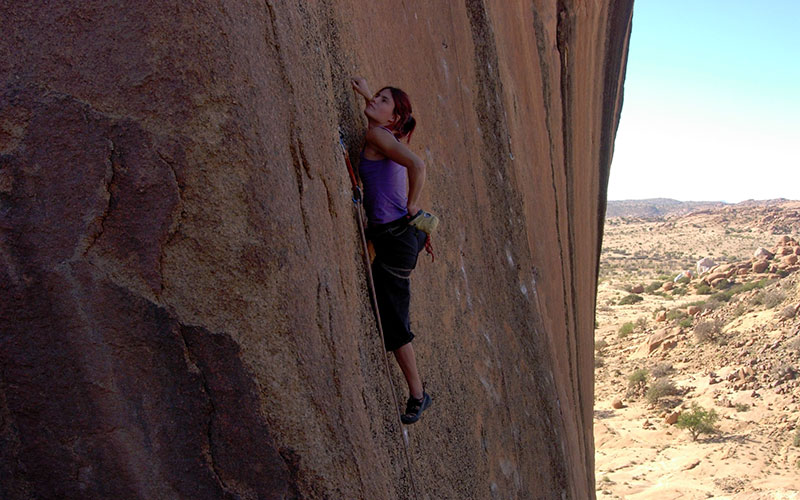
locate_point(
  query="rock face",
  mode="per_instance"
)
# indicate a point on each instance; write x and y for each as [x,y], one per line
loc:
[184,305]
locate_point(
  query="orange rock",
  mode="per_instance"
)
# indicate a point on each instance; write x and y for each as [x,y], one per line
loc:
[790,260]
[672,418]
[637,289]
[760,266]
[665,337]
[668,286]
[617,404]
[716,276]
[692,310]
[661,316]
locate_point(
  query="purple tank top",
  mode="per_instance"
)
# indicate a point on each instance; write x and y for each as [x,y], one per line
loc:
[385,189]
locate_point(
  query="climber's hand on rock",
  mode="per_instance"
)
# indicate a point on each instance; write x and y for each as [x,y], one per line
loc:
[360,86]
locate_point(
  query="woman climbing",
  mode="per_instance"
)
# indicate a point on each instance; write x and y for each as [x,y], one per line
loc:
[392,177]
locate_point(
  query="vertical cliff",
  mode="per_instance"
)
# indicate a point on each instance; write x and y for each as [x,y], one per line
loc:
[184,310]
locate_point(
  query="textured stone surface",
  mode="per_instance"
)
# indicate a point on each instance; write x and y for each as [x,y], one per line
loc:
[184,311]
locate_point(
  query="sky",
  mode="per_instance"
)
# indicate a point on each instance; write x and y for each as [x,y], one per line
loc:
[711,110]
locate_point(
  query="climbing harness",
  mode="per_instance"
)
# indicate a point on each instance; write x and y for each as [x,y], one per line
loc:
[358,202]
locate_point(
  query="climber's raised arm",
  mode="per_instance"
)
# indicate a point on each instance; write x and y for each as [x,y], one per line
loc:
[360,86]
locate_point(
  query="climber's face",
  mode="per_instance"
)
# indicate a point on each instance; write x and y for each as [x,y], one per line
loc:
[381,108]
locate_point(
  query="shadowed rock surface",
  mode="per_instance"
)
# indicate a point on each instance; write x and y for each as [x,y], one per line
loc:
[184,310]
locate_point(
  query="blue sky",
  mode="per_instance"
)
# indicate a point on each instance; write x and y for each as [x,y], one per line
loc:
[712,102]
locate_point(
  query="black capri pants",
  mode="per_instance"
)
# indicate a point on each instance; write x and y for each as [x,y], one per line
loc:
[397,246]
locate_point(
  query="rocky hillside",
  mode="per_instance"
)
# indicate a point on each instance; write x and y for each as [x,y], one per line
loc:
[184,310]
[656,207]
[718,334]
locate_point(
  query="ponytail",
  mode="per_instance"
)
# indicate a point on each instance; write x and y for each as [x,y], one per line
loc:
[405,124]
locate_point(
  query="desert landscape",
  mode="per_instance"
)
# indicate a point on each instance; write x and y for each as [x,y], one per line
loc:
[697,351]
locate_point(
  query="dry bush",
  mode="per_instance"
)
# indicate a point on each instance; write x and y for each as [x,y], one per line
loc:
[787,312]
[707,331]
[660,389]
[661,370]
[769,298]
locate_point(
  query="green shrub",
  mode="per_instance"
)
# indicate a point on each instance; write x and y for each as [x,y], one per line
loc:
[676,315]
[652,287]
[698,421]
[641,323]
[686,322]
[631,298]
[703,289]
[600,345]
[796,441]
[728,294]
[659,389]
[742,407]
[638,377]
[625,330]
[723,284]
[683,280]
[679,291]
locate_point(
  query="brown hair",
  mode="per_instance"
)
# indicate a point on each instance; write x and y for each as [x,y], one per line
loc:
[405,124]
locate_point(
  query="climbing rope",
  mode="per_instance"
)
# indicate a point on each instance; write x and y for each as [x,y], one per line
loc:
[357,201]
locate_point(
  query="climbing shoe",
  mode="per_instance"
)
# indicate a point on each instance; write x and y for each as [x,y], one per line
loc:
[414,408]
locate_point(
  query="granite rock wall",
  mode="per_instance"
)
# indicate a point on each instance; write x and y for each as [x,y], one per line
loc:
[184,310]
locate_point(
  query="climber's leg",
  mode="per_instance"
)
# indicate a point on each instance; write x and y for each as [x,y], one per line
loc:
[408,364]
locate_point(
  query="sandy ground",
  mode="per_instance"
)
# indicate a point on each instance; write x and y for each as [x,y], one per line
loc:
[753,455]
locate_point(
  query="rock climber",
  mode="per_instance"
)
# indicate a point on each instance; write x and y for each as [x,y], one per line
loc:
[392,177]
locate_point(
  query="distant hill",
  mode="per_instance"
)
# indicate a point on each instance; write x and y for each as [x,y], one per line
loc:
[657,207]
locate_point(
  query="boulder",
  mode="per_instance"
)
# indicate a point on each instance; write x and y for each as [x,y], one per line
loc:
[672,418]
[726,269]
[790,260]
[715,276]
[637,289]
[656,340]
[760,266]
[784,251]
[617,404]
[692,310]
[763,253]
[667,286]
[704,265]
[661,316]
